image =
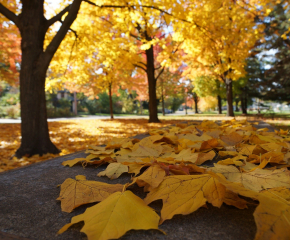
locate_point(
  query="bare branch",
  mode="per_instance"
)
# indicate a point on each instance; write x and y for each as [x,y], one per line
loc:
[54,44]
[159,74]
[104,6]
[136,65]
[9,14]
[135,36]
[144,64]
[57,17]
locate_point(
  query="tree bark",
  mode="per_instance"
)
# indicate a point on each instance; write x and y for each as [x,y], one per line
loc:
[229,88]
[153,115]
[35,61]
[111,101]
[34,128]
[220,104]
[237,105]
[162,98]
[195,99]
[244,103]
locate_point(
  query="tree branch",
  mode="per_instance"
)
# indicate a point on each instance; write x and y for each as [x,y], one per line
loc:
[57,17]
[9,14]
[143,64]
[54,44]
[136,65]
[101,6]
[159,74]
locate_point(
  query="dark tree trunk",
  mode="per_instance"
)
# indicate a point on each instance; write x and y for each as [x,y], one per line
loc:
[229,88]
[244,103]
[237,105]
[111,101]
[35,61]
[163,108]
[34,128]
[153,117]
[220,104]
[195,99]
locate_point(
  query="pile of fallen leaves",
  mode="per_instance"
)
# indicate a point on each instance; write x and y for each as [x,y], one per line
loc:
[71,136]
[174,164]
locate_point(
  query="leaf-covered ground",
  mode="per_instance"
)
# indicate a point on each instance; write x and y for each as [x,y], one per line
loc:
[243,162]
[71,136]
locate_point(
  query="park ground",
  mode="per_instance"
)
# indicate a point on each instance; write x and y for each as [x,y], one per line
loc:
[76,134]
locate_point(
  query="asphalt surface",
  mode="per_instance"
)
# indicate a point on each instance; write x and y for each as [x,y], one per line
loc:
[29,210]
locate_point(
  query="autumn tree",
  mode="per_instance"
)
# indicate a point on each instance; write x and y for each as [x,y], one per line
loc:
[218,38]
[36,57]
[9,49]
[208,86]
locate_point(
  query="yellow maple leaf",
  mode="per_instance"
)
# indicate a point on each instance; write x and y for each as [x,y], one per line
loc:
[256,180]
[233,199]
[151,178]
[113,217]
[195,192]
[74,193]
[271,216]
[114,170]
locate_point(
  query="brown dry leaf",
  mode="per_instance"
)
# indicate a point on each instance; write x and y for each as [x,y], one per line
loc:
[74,193]
[151,178]
[232,139]
[114,170]
[113,217]
[195,191]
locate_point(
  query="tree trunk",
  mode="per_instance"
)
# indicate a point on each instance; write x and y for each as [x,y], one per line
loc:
[220,104]
[229,88]
[34,128]
[237,105]
[162,98]
[75,104]
[195,99]
[34,64]
[163,108]
[244,101]
[111,101]
[153,116]
[185,103]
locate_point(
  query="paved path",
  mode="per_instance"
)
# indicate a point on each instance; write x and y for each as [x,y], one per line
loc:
[29,210]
